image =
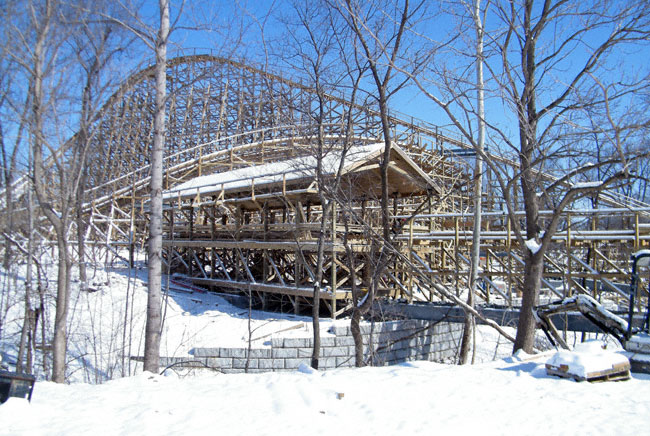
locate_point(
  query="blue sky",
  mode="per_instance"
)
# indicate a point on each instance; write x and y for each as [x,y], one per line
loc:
[208,25]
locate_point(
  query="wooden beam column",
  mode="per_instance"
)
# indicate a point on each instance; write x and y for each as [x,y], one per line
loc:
[333,263]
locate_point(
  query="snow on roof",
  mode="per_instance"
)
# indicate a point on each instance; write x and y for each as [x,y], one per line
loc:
[276,172]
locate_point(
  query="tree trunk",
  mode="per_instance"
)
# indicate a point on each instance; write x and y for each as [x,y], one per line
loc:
[57,219]
[533,268]
[383,167]
[8,172]
[59,345]
[355,329]
[317,285]
[154,301]
[469,324]
[81,247]
[28,273]
[534,262]
[24,332]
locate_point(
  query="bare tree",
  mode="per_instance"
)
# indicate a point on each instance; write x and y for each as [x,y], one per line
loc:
[54,40]
[318,47]
[544,61]
[43,21]
[312,57]
[478,18]
[381,31]
[526,61]
[154,301]
[9,109]
[157,40]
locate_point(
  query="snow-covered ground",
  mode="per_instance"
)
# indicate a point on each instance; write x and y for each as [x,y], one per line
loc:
[507,396]
[504,397]
[106,326]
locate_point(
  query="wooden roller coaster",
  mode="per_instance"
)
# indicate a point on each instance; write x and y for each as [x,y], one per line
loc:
[242,210]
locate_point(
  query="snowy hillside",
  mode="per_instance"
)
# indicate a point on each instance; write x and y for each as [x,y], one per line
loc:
[106,326]
[500,397]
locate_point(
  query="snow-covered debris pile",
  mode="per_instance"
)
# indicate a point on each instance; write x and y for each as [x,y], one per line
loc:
[589,361]
[589,307]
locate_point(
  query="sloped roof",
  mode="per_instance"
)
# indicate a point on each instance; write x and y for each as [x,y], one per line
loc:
[294,171]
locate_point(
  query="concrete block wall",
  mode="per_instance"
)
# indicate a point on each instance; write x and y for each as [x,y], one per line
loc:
[392,342]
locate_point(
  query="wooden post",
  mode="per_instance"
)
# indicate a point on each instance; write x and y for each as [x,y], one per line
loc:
[212,262]
[568,254]
[594,263]
[509,250]
[297,259]
[171,237]
[443,260]
[637,240]
[456,240]
[430,248]
[191,223]
[486,270]
[213,221]
[410,296]
[109,231]
[265,260]
[132,229]
[190,250]
[239,221]
[334,267]
[199,166]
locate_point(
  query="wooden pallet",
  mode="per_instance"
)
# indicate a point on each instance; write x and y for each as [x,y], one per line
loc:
[618,372]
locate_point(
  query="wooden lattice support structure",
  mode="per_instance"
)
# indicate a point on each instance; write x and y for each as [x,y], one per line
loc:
[256,228]
[586,258]
[224,116]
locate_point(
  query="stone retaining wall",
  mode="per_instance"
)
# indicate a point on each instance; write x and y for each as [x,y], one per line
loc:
[393,342]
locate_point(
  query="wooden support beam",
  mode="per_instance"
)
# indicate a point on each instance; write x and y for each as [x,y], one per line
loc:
[304,291]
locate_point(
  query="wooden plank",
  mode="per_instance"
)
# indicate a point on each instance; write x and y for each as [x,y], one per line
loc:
[302,291]
[310,246]
[617,372]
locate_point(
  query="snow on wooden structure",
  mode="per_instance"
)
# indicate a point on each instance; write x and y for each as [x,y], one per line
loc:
[589,362]
[226,118]
[296,178]
[256,228]
[590,254]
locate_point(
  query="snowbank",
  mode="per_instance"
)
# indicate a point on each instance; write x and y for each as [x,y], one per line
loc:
[420,398]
